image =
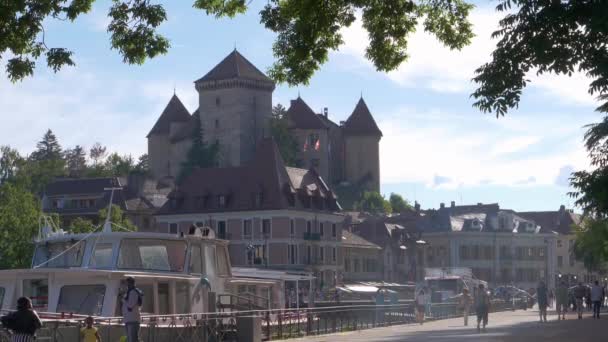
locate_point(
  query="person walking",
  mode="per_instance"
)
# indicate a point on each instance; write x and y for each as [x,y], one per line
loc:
[482,306]
[543,300]
[465,302]
[22,323]
[580,291]
[131,310]
[420,306]
[562,299]
[597,294]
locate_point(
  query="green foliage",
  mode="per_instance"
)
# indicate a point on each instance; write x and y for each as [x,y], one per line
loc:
[306,30]
[398,204]
[19,213]
[143,164]
[200,154]
[591,244]
[76,160]
[373,203]
[279,128]
[117,217]
[117,165]
[81,225]
[544,37]
[10,163]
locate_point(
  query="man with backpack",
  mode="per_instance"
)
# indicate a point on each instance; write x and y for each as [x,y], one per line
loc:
[131,304]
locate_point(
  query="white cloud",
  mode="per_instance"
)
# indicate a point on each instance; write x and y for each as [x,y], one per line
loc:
[433,66]
[511,145]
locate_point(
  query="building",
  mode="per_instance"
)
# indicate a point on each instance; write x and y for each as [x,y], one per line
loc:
[137,196]
[274,216]
[235,106]
[500,246]
[563,222]
[362,259]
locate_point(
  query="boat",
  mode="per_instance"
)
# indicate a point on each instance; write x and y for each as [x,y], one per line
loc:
[85,274]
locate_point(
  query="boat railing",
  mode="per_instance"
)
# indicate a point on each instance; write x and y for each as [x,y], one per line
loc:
[242,301]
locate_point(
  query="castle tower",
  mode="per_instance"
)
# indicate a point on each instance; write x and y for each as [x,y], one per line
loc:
[235,105]
[361,148]
[164,152]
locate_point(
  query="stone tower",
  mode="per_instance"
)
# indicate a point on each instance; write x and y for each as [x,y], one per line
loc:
[362,148]
[235,105]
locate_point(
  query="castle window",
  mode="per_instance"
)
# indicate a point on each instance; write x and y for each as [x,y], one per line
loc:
[217,101]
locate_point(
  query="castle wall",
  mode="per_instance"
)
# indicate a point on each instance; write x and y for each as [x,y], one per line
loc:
[159,155]
[311,158]
[362,158]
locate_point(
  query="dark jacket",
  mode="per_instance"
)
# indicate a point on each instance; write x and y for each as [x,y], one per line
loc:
[22,322]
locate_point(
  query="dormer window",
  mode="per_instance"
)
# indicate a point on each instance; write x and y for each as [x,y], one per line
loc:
[221,201]
[258,199]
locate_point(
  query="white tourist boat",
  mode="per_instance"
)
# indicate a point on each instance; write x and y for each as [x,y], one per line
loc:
[85,274]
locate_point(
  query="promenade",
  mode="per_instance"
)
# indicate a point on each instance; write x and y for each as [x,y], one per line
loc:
[518,326]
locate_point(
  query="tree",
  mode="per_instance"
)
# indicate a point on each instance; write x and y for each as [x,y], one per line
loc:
[118,218]
[19,213]
[200,154]
[591,243]
[143,164]
[48,148]
[306,30]
[118,165]
[98,154]
[398,204]
[76,160]
[279,128]
[45,163]
[373,203]
[10,163]
[81,225]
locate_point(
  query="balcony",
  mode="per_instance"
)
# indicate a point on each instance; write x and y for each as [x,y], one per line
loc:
[312,236]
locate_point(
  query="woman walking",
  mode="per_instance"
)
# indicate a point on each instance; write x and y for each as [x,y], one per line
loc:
[465,302]
[482,306]
[23,323]
[541,297]
[420,306]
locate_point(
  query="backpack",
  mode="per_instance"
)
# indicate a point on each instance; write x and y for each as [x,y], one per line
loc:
[140,295]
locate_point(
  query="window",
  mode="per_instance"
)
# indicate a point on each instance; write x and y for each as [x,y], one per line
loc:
[559,243]
[560,261]
[146,222]
[163,299]
[81,299]
[102,256]
[356,265]
[346,265]
[221,230]
[222,262]
[38,291]
[173,228]
[247,229]
[292,228]
[258,199]
[292,254]
[210,264]
[334,230]
[308,254]
[266,231]
[321,229]
[256,255]
[221,201]
[217,101]
[150,254]
[308,227]
[322,254]
[59,254]
[182,297]
[334,254]
[196,265]
[541,252]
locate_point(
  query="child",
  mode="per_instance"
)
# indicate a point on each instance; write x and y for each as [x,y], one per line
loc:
[89,333]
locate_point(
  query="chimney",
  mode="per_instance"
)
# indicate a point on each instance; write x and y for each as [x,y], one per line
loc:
[441,205]
[479,204]
[326,112]
[342,123]
[562,208]
[417,206]
[453,204]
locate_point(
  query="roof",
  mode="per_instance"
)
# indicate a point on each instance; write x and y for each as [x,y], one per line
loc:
[175,111]
[361,122]
[185,132]
[76,186]
[262,184]
[234,66]
[560,221]
[350,239]
[303,117]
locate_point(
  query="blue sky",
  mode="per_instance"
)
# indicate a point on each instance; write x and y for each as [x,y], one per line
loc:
[436,146]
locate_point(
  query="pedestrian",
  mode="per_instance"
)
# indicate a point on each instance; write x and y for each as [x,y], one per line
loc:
[22,323]
[551,298]
[596,298]
[562,299]
[131,310]
[420,306]
[580,291]
[89,333]
[482,306]
[541,298]
[465,302]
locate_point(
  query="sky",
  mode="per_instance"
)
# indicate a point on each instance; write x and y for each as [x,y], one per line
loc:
[436,146]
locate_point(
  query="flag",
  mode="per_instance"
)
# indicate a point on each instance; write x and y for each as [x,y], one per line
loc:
[318,145]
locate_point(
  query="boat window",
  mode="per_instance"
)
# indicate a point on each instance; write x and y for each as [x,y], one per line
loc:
[2,291]
[81,299]
[196,265]
[148,254]
[163,299]
[102,256]
[147,306]
[210,268]
[59,254]
[182,297]
[38,291]
[222,262]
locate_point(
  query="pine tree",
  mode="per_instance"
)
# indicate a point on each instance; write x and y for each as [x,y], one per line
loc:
[98,153]
[48,148]
[201,154]
[76,160]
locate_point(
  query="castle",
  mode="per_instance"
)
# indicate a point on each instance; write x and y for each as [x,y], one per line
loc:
[235,109]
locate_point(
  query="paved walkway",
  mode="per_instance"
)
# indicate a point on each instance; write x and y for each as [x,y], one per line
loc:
[518,326]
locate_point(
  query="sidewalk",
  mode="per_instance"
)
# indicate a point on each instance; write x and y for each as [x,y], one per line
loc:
[517,326]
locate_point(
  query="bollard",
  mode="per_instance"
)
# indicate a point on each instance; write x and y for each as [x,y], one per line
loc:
[249,329]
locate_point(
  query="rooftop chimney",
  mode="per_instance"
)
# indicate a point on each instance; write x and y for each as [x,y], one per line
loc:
[562,208]
[342,123]
[326,112]
[441,205]
[453,204]
[479,204]
[417,206]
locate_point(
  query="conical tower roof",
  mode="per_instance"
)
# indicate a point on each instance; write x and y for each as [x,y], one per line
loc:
[175,111]
[302,116]
[234,66]
[361,122]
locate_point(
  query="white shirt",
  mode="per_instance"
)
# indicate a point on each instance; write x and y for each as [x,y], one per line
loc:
[132,315]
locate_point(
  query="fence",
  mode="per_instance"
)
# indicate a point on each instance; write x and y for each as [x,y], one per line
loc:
[276,324]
